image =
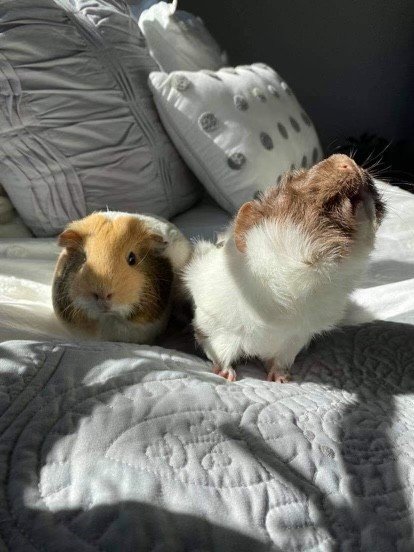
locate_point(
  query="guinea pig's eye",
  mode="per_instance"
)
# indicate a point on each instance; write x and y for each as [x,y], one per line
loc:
[132,259]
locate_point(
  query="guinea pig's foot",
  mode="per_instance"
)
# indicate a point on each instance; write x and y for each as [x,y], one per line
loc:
[277,375]
[227,373]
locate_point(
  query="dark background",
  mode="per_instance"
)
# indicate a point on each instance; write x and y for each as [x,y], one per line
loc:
[350,63]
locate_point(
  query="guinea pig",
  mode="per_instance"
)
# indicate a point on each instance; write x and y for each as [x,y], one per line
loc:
[285,267]
[116,277]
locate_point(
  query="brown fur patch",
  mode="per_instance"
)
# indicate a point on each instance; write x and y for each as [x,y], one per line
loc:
[321,201]
[67,265]
[249,214]
[156,293]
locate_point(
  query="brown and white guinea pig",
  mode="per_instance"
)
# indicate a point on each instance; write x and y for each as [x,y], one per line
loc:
[116,277]
[285,267]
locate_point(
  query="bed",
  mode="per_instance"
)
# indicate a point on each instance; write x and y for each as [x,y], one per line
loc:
[110,446]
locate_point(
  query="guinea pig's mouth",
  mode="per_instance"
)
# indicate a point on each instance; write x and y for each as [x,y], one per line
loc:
[92,308]
[122,311]
[346,221]
[368,196]
[96,308]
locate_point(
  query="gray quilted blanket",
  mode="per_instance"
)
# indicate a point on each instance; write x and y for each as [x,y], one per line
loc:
[114,447]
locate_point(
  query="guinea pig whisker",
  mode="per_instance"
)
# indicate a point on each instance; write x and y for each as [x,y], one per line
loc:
[332,146]
[76,310]
[144,257]
[382,167]
[352,152]
[66,309]
[379,154]
[70,306]
[386,147]
[374,165]
[378,173]
[366,161]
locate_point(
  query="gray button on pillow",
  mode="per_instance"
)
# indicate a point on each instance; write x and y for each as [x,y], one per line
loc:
[78,128]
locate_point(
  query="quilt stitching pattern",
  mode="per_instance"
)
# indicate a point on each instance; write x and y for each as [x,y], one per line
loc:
[326,460]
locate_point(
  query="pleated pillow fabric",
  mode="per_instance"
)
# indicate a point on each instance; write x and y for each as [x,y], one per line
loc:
[239,129]
[78,128]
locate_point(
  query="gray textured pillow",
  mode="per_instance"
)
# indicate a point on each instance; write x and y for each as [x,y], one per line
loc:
[78,128]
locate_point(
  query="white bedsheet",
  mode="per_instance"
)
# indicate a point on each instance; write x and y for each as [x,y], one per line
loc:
[387,292]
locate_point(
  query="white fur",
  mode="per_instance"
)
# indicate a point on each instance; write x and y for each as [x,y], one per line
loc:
[269,301]
[113,325]
[95,311]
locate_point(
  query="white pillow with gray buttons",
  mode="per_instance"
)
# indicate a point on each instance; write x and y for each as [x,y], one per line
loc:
[239,129]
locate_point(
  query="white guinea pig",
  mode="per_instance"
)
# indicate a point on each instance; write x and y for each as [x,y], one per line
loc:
[285,267]
[116,277]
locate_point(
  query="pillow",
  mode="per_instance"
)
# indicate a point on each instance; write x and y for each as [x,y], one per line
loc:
[6,208]
[179,40]
[79,131]
[138,6]
[238,129]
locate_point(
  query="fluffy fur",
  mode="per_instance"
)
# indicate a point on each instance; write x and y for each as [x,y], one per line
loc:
[285,268]
[98,293]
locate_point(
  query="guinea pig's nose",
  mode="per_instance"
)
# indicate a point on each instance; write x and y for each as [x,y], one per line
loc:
[103,296]
[344,163]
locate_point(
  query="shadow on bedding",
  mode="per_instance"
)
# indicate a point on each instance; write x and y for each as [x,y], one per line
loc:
[130,526]
[375,363]
[387,272]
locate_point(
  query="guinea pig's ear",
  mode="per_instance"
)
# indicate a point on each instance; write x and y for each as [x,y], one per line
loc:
[158,243]
[246,218]
[71,239]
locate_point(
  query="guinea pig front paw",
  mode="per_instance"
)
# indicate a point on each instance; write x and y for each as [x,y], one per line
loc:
[227,373]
